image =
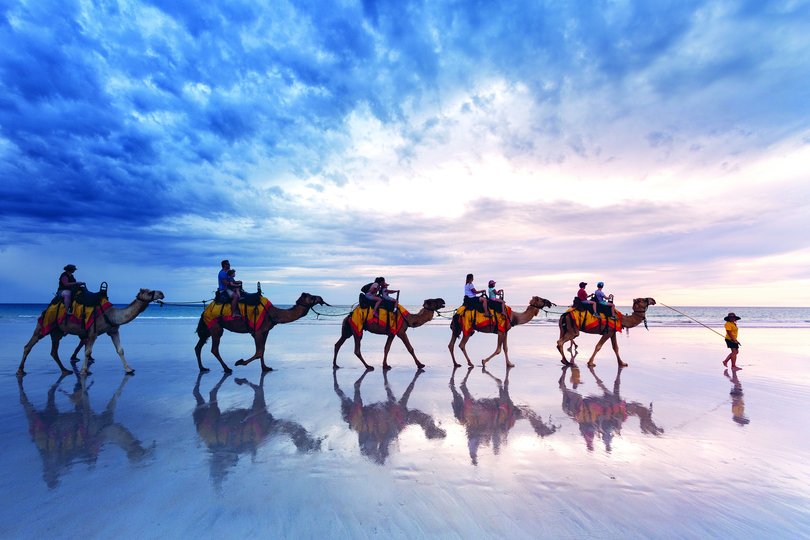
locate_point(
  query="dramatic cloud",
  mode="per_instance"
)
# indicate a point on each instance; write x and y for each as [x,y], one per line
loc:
[662,148]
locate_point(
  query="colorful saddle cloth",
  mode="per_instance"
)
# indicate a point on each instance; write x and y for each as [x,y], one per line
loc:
[54,315]
[361,317]
[472,320]
[585,321]
[253,315]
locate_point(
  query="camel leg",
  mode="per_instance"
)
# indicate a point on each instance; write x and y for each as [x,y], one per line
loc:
[601,342]
[74,358]
[88,350]
[453,339]
[404,337]
[55,339]
[116,339]
[27,349]
[388,341]
[615,343]
[215,337]
[358,354]
[497,350]
[463,346]
[345,333]
[259,342]
[198,352]
[506,354]
[260,347]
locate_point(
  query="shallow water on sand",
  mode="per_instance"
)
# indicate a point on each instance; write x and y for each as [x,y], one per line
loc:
[669,447]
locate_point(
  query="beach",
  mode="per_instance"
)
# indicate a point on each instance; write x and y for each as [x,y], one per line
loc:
[669,447]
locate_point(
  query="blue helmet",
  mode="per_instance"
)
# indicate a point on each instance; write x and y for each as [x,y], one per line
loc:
[600,284]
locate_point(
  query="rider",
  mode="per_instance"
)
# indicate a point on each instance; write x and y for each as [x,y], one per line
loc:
[582,296]
[471,292]
[373,294]
[384,294]
[603,300]
[494,295]
[224,286]
[68,285]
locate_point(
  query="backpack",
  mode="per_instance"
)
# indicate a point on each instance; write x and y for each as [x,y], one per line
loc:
[367,287]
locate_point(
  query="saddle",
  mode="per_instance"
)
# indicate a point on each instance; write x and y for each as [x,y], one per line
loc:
[364,302]
[475,303]
[83,297]
[248,299]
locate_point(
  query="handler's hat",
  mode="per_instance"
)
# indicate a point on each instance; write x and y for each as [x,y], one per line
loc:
[582,284]
[731,317]
[70,267]
[491,282]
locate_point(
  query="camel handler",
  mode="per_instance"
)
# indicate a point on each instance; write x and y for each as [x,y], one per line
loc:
[224,288]
[68,286]
[731,340]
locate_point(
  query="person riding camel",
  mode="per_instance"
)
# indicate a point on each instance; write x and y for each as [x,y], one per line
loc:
[604,301]
[68,286]
[582,298]
[225,289]
[494,295]
[374,294]
[471,293]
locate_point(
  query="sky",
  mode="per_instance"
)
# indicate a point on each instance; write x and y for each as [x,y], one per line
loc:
[660,147]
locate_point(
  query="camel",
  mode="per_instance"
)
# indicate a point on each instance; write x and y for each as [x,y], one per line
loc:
[379,424]
[241,431]
[240,326]
[79,434]
[108,324]
[488,420]
[603,416]
[535,305]
[569,331]
[429,308]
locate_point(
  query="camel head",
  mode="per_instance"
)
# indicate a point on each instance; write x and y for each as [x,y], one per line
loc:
[540,303]
[147,295]
[308,300]
[433,304]
[641,304]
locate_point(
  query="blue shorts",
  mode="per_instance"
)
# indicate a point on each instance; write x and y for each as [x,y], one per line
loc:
[732,344]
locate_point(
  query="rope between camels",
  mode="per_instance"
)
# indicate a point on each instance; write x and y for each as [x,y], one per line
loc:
[688,317]
[192,303]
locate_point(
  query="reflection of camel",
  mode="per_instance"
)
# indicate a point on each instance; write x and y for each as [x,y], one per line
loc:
[64,438]
[240,326]
[109,323]
[569,330]
[379,424]
[489,420]
[425,314]
[603,415]
[241,431]
[737,402]
[535,305]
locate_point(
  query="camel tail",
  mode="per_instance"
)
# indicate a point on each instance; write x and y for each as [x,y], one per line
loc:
[202,331]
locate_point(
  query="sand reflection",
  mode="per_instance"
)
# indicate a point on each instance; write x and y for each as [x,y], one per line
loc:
[241,431]
[488,420]
[602,416]
[737,401]
[379,424]
[77,435]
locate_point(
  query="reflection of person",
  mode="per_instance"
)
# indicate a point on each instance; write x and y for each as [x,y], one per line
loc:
[488,420]
[68,286]
[737,403]
[379,424]
[241,430]
[77,435]
[731,340]
[603,416]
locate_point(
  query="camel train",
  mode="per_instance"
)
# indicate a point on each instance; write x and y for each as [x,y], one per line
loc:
[257,316]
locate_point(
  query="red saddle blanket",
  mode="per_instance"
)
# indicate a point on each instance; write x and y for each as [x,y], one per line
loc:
[472,320]
[253,315]
[392,322]
[585,321]
[54,315]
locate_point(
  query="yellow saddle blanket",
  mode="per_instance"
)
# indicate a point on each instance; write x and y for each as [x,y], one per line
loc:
[472,320]
[392,322]
[253,315]
[54,315]
[586,321]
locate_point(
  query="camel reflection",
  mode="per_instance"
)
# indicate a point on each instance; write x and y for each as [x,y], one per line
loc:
[379,424]
[78,435]
[737,402]
[489,420]
[603,416]
[241,431]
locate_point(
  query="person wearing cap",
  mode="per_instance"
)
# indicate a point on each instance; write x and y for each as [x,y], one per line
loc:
[374,294]
[225,288]
[582,296]
[494,295]
[68,285]
[385,293]
[604,300]
[731,340]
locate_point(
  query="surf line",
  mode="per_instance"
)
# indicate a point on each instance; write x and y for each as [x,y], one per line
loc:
[688,317]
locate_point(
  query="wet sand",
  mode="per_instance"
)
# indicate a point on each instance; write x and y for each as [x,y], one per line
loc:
[668,447]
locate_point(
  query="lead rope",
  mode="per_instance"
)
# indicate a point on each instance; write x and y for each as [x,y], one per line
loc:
[688,317]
